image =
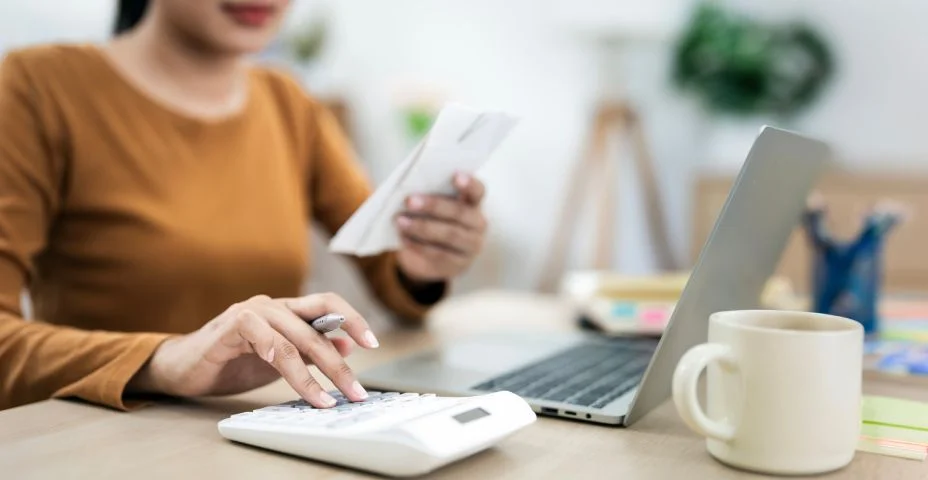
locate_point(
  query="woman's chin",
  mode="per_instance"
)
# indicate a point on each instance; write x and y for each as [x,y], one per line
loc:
[244,44]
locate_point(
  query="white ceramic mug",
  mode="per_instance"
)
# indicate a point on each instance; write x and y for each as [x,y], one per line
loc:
[783,390]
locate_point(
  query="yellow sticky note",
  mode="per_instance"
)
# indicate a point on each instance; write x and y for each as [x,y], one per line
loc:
[898,434]
[895,412]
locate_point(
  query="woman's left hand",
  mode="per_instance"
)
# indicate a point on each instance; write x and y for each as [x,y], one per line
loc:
[442,235]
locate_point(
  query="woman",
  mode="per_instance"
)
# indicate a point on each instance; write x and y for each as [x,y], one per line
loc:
[154,198]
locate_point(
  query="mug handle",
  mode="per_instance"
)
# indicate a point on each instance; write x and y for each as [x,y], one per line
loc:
[685,382]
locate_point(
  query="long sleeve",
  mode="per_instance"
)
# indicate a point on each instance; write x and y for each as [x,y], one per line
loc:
[339,187]
[39,360]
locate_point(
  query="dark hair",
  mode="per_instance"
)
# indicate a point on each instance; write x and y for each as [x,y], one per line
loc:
[128,14]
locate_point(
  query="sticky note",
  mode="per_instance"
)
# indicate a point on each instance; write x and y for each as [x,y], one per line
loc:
[896,434]
[654,317]
[892,449]
[895,427]
[895,412]
[624,309]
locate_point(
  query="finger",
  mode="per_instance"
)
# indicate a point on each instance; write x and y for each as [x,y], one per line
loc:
[257,334]
[435,254]
[342,345]
[317,347]
[471,189]
[283,355]
[314,306]
[449,236]
[447,209]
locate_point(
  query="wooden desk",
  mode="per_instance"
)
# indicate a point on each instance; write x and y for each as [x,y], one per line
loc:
[60,439]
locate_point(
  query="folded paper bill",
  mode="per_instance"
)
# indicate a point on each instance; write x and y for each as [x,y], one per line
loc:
[460,140]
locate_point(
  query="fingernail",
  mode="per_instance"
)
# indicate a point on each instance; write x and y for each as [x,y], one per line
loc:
[404,222]
[327,400]
[462,179]
[270,355]
[416,202]
[371,339]
[359,390]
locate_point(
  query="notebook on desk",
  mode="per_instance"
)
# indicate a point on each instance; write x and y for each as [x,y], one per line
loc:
[899,350]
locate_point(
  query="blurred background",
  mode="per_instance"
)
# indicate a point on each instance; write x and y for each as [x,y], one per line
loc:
[687,83]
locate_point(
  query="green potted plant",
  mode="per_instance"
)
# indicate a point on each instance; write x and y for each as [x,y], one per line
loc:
[305,44]
[745,72]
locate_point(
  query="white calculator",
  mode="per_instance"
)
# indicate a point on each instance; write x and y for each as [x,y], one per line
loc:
[390,433]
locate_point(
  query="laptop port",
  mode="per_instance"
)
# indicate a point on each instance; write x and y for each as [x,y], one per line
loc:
[568,412]
[549,411]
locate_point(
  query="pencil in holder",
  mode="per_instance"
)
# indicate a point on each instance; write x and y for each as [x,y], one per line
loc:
[847,275]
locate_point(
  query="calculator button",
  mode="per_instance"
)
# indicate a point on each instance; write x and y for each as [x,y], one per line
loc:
[379,410]
[275,409]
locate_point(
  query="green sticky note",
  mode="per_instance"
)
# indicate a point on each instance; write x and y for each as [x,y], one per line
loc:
[895,412]
[879,432]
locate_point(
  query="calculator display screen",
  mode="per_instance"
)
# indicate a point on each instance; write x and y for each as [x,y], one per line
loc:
[471,415]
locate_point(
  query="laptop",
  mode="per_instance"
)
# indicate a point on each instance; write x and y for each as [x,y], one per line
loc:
[615,381]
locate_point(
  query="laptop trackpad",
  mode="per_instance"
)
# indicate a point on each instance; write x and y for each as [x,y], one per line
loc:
[467,362]
[497,354]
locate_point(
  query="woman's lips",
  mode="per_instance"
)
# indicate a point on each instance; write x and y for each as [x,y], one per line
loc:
[249,14]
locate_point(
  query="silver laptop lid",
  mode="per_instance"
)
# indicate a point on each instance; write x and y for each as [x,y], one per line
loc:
[742,252]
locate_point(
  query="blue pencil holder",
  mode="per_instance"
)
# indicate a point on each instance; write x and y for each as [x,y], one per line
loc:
[846,281]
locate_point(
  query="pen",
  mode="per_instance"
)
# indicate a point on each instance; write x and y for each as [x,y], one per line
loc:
[814,222]
[328,322]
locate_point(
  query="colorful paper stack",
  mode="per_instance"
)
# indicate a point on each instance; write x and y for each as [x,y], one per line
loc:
[894,427]
[617,304]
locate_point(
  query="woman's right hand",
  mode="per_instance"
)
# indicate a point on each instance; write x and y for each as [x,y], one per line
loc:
[255,342]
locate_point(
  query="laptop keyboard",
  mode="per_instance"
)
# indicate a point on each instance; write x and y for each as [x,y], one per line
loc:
[591,375]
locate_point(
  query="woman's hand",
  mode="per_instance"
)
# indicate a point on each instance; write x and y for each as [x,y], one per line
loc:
[255,342]
[442,235]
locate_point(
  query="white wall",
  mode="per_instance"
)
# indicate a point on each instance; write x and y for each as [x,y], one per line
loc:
[511,55]
[878,110]
[483,53]
[53,20]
